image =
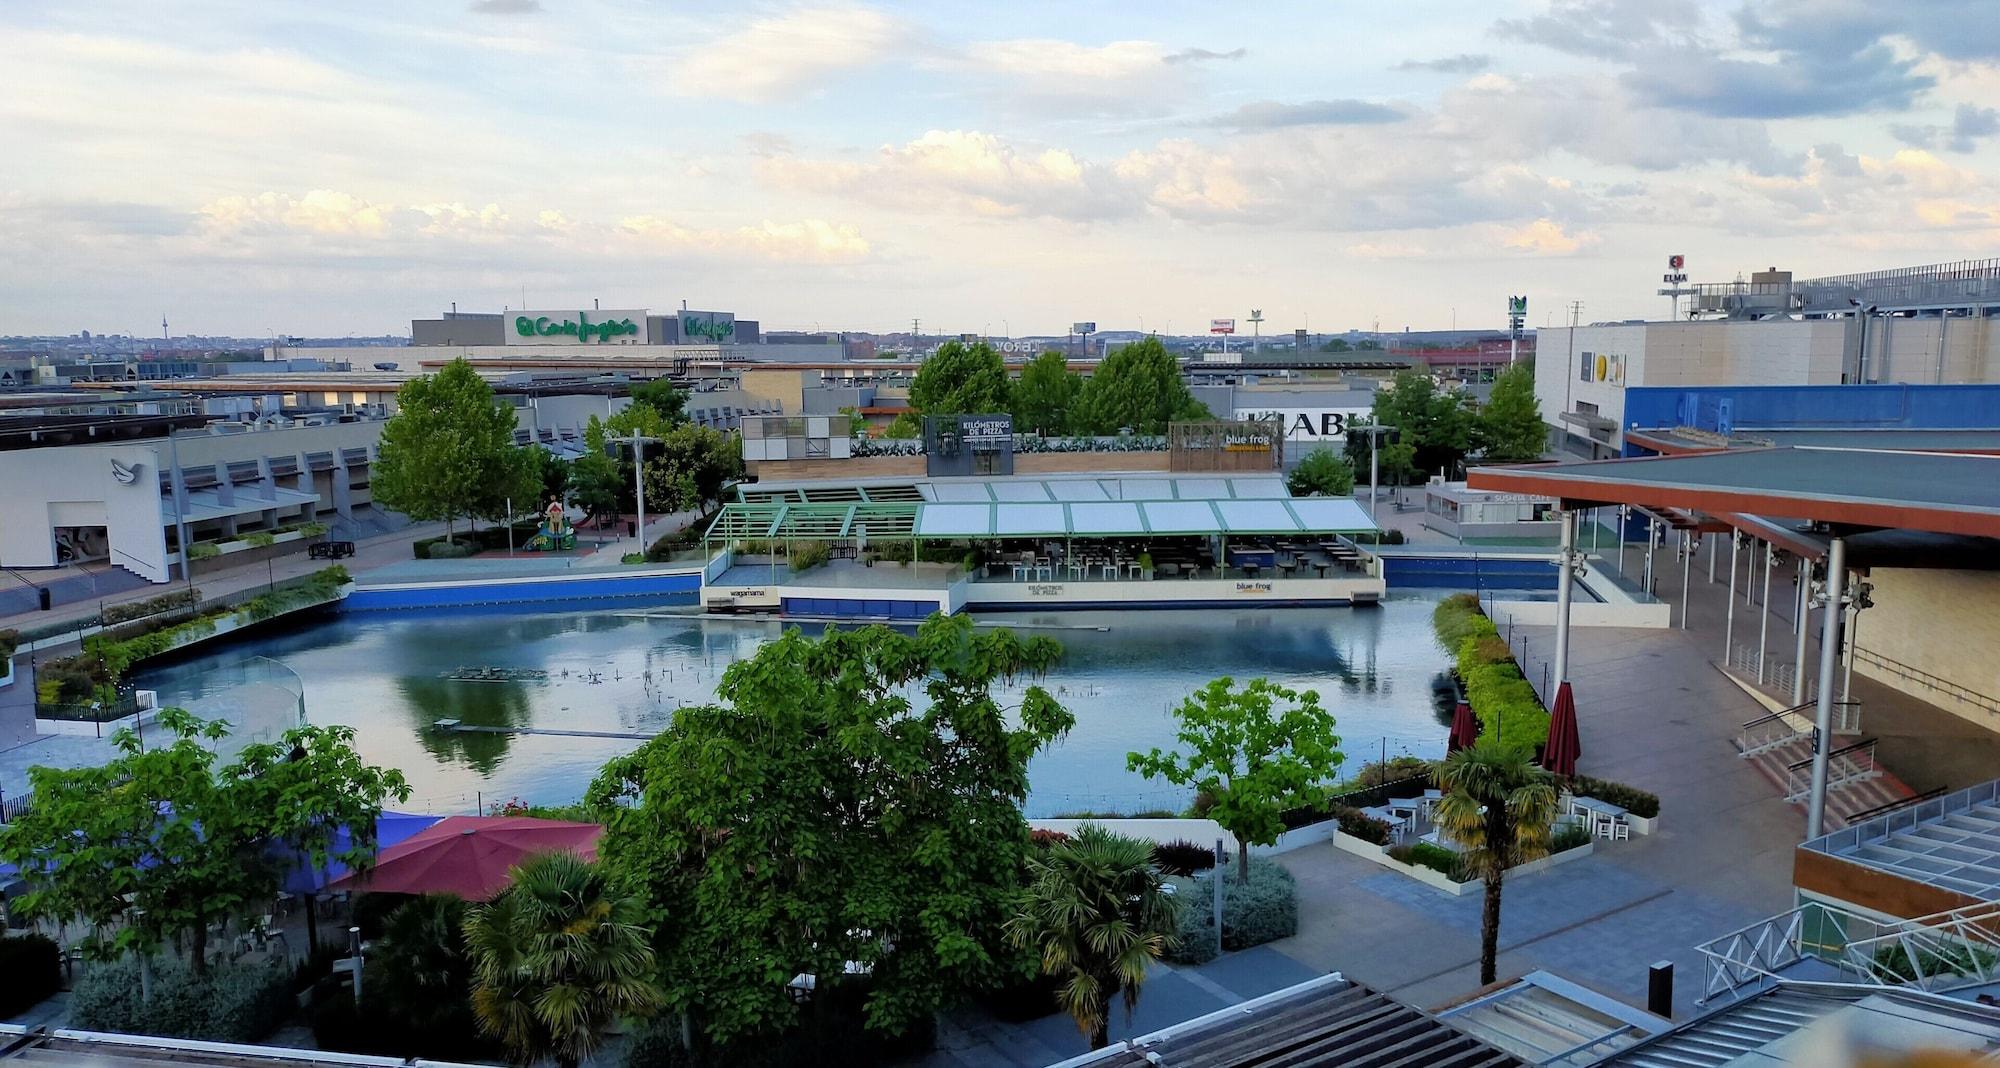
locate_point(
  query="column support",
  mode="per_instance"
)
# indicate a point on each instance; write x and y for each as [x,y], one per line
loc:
[1729,620]
[1764,616]
[1829,659]
[1711,561]
[1799,629]
[1565,591]
[1687,564]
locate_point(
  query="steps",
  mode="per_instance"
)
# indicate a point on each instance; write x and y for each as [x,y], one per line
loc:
[1856,783]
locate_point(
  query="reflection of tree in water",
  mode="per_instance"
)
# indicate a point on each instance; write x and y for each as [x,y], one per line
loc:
[1444,697]
[483,704]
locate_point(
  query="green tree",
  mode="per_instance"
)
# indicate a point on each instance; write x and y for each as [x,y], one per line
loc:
[1498,806]
[1138,386]
[1368,344]
[1323,473]
[906,426]
[822,816]
[1045,394]
[639,418]
[689,467]
[961,379]
[157,843]
[1338,344]
[447,448]
[558,958]
[1255,757]
[1509,425]
[1434,422]
[418,973]
[1096,914]
[666,399]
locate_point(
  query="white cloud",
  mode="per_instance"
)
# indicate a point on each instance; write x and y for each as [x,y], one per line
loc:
[773,58]
[965,170]
[1543,237]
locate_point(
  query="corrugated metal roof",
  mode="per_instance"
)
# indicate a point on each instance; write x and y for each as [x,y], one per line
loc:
[1764,1031]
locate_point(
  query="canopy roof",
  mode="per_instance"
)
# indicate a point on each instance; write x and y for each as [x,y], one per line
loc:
[1165,516]
[1940,492]
[1021,489]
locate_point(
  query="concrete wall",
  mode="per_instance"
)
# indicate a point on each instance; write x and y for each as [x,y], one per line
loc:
[1941,623]
[44,488]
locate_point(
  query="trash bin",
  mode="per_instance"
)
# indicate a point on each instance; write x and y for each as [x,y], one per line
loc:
[42,593]
[631,531]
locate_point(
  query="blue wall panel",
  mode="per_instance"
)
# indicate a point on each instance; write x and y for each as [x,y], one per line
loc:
[674,588]
[1900,407]
[1468,573]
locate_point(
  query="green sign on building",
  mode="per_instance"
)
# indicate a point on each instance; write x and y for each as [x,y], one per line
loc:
[580,328]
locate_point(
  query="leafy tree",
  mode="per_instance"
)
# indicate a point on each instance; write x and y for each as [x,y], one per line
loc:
[908,425]
[1138,386]
[1499,806]
[669,401]
[640,418]
[1255,758]
[1323,473]
[550,474]
[447,448]
[1097,913]
[1509,426]
[1045,395]
[558,959]
[418,973]
[1368,344]
[1434,423]
[961,379]
[689,467]
[820,816]
[596,483]
[1338,344]
[157,843]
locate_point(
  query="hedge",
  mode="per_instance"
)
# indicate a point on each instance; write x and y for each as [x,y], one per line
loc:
[1505,703]
[1262,910]
[231,1003]
[1361,825]
[151,606]
[10,640]
[30,972]
[1436,858]
[1630,798]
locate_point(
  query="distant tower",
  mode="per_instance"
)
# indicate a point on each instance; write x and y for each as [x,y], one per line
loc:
[164,336]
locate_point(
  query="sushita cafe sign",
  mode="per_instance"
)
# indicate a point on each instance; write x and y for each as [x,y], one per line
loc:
[1309,424]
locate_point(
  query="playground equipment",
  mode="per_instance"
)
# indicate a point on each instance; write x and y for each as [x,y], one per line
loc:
[555,531]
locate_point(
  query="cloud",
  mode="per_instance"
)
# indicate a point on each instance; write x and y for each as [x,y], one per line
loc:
[1604,29]
[1062,62]
[1463,63]
[504,7]
[1969,125]
[774,58]
[967,170]
[1203,55]
[1272,114]
[1544,237]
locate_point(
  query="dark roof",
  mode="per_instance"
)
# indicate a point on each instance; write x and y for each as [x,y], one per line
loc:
[1864,488]
[1674,440]
[1329,1023]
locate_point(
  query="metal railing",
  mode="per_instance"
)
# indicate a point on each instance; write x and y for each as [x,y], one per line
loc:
[1752,956]
[1765,733]
[1943,951]
[1891,806]
[1850,764]
[1984,702]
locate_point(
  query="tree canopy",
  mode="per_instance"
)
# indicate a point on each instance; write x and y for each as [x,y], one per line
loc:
[663,397]
[1499,807]
[961,379]
[1046,395]
[1509,425]
[1323,473]
[1434,422]
[856,798]
[448,452]
[1257,752]
[1137,386]
[157,843]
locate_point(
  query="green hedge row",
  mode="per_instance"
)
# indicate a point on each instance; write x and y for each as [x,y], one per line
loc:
[151,606]
[1262,910]
[469,542]
[1632,799]
[1506,704]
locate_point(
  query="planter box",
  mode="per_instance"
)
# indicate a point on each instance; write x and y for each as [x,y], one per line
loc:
[1437,879]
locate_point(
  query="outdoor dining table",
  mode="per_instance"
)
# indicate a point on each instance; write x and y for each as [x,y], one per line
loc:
[1597,812]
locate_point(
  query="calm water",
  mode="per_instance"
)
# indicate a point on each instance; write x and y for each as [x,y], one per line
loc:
[610,670]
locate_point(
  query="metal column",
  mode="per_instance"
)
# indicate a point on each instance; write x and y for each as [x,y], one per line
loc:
[1711,560]
[1565,583]
[1623,514]
[1652,536]
[1687,563]
[1764,617]
[1829,659]
[1799,629]
[1729,620]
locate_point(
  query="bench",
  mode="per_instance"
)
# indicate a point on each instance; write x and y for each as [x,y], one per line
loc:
[330,550]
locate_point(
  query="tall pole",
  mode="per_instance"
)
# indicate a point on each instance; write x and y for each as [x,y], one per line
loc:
[1799,630]
[1829,659]
[639,485]
[1764,615]
[1729,621]
[1565,583]
[180,508]
[1687,564]
[1624,514]
[1652,536]
[1853,633]
[1712,545]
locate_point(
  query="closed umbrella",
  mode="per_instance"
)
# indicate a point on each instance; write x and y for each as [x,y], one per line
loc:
[469,856]
[1464,729]
[1564,746]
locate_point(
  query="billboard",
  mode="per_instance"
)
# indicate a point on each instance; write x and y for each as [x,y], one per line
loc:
[1327,425]
[707,327]
[594,327]
[1222,326]
[1083,328]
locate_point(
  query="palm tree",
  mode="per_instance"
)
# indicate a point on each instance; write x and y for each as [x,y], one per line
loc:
[1097,912]
[558,958]
[1498,805]
[420,967]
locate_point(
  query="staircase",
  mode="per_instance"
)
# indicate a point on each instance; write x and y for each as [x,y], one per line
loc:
[1855,783]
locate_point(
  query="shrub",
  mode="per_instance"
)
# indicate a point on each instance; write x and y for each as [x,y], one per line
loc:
[1398,769]
[30,970]
[809,555]
[204,550]
[1262,910]
[1183,857]
[1569,836]
[1630,798]
[1361,825]
[10,640]
[451,550]
[231,1003]
[1203,801]
[830,1034]
[1924,962]
[151,606]
[1436,858]
[1042,838]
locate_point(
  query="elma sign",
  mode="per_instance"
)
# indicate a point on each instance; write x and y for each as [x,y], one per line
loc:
[1309,424]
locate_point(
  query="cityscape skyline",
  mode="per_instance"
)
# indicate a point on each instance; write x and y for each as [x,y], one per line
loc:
[252,170]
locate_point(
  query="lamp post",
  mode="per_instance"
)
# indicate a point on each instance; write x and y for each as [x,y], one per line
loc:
[638,442]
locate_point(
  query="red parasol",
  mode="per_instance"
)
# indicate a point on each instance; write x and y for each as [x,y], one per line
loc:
[1464,729]
[1564,746]
[470,856]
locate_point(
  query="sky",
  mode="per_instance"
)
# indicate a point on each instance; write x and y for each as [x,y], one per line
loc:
[314,168]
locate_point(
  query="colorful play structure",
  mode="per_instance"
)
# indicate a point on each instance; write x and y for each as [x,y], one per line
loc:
[556,532]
